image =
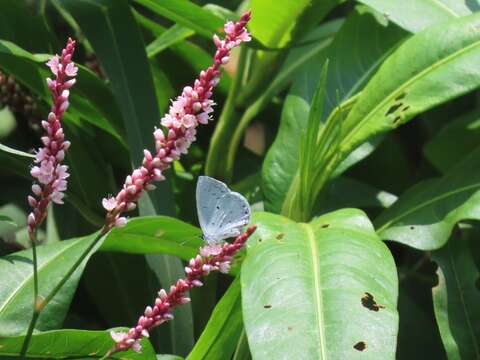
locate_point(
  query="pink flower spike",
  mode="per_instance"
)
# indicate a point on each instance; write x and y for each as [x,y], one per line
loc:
[186,112]
[177,295]
[48,171]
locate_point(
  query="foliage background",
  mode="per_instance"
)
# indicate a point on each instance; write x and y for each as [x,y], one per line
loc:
[335,106]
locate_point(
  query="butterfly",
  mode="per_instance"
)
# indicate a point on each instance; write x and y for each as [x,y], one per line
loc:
[222,213]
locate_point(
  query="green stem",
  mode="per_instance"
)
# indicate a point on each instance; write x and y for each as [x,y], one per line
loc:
[226,122]
[40,304]
[28,337]
[36,313]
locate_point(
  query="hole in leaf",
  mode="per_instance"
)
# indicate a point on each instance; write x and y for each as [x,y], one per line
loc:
[369,302]
[280,236]
[412,227]
[397,119]
[401,96]
[393,108]
[406,108]
[268,306]
[324,226]
[360,346]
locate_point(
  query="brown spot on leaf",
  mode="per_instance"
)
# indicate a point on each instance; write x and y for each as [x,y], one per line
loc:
[397,119]
[393,108]
[290,328]
[324,226]
[360,346]
[268,306]
[401,96]
[369,302]
[406,108]
[280,236]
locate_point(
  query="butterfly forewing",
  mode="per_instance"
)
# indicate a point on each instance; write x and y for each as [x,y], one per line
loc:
[209,191]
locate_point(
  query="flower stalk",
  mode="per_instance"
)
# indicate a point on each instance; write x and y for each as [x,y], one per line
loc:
[48,170]
[210,258]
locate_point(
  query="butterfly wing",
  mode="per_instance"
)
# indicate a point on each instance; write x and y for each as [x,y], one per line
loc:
[209,191]
[230,214]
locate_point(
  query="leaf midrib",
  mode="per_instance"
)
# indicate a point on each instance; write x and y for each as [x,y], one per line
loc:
[317,294]
[427,203]
[434,66]
[29,277]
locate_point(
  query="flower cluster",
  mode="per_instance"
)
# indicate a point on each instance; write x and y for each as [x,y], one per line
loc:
[50,174]
[216,258]
[191,108]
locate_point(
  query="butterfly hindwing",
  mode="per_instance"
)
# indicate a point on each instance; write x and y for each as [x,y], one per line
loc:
[230,215]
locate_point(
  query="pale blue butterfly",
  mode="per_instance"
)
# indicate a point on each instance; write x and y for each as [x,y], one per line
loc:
[222,213]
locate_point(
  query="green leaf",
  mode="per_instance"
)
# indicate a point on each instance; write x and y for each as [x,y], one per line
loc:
[219,338]
[188,14]
[463,132]
[16,293]
[349,71]
[170,37]
[273,20]
[445,67]
[95,103]
[15,152]
[8,220]
[456,299]
[121,52]
[155,234]
[22,26]
[302,203]
[425,215]
[329,291]
[416,15]
[71,344]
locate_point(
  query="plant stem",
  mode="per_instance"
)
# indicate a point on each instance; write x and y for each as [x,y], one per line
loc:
[36,313]
[39,304]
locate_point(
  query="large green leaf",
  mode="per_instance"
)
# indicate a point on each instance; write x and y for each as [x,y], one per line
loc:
[445,67]
[70,344]
[349,71]
[188,14]
[16,293]
[327,289]
[273,20]
[219,338]
[155,234]
[464,132]
[456,299]
[425,215]
[416,15]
